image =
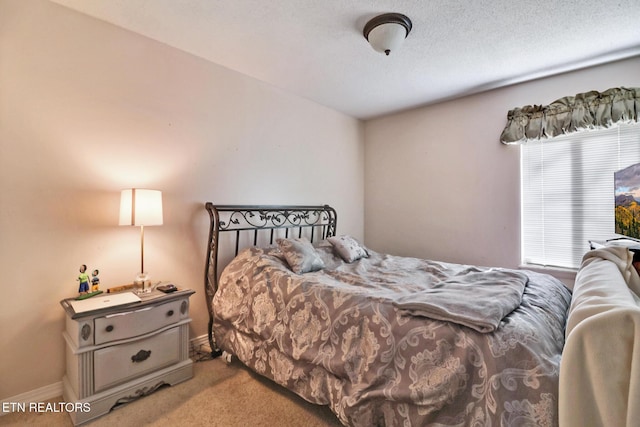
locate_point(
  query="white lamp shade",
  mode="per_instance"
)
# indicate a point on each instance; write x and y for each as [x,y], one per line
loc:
[140,207]
[388,37]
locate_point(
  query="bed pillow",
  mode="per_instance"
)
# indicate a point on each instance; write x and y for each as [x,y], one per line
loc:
[300,255]
[348,248]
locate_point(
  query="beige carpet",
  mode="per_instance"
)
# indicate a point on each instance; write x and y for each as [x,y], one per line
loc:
[217,395]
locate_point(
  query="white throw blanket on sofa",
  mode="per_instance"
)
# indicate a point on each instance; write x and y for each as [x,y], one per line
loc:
[600,369]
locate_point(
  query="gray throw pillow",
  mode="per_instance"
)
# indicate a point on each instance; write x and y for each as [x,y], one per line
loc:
[300,255]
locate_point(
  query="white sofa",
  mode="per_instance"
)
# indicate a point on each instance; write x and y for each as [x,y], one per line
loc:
[600,368]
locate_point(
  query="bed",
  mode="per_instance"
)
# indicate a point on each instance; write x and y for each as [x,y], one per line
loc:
[381,339]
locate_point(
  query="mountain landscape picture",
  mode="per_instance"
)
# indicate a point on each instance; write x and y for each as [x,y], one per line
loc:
[627,205]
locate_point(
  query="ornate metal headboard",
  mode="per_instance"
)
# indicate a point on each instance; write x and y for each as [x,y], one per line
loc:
[259,223]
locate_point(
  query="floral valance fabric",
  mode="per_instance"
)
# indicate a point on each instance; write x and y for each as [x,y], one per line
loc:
[590,110]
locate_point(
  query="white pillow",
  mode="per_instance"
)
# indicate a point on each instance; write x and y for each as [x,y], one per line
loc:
[348,248]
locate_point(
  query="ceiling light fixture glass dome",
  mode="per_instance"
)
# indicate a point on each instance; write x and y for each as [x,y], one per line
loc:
[385,33]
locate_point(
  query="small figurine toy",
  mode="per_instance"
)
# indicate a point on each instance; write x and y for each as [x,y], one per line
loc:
[83,278]
[95,280]
[86,282]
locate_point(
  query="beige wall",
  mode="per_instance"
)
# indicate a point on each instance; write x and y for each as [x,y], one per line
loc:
[87,109]
[438,183]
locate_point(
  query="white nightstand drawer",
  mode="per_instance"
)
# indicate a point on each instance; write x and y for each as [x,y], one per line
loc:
[120,363]
[138,322]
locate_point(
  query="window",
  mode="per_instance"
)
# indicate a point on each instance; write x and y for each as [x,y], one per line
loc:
[568,192]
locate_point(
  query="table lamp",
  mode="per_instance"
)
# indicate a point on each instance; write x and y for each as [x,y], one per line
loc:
[141,207]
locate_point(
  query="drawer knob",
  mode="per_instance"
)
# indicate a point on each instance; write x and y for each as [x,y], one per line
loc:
[109,328]
[141,356]
[169,313]
[86,332]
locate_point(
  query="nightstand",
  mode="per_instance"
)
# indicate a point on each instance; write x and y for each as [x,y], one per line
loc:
[117,354]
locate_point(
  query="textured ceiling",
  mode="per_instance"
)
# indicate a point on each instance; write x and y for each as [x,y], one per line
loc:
[315,48]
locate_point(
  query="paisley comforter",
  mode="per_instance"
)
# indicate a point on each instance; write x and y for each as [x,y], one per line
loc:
[338,337]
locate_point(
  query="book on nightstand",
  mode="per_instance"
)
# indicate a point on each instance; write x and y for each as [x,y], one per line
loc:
[99,302]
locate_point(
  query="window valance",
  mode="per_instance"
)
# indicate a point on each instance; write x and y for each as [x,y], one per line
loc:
[590,110]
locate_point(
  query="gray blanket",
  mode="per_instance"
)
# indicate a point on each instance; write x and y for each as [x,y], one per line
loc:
[473,298]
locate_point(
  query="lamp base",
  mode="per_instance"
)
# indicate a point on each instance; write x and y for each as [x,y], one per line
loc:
[142,280]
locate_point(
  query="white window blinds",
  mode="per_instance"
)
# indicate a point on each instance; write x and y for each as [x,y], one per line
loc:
[568,192]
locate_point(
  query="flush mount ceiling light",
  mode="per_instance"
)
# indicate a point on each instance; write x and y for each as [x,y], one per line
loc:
[386,32]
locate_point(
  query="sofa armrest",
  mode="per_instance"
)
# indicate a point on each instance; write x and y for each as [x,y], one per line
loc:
[600,367]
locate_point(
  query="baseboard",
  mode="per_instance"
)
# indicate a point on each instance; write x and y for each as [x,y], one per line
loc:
[38,395]
[54,390]
[199,345]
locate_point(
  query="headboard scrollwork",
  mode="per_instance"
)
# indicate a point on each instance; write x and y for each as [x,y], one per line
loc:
[254,221]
